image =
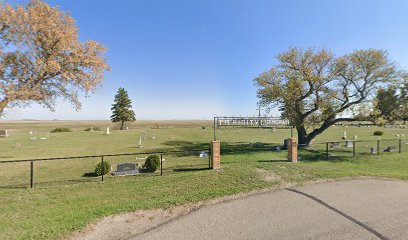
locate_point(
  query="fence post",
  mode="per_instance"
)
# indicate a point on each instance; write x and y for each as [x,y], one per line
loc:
[378,147]
[209,157]
[354,148]
[161,164]
[399,145]
[327,150]
[31,174]
[103,168]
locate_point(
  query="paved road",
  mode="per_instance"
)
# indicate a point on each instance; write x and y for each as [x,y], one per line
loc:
[351,209]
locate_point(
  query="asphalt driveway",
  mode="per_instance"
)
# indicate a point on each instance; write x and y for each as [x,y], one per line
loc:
[350,209]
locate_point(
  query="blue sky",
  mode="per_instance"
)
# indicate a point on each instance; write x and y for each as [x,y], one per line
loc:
[195,59]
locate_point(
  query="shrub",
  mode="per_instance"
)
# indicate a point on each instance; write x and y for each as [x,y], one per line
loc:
[98,168]
[152,163]
[378,133]
[202,127]
[94,128]
[61,129]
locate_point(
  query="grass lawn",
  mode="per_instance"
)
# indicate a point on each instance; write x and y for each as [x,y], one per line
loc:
[51,211]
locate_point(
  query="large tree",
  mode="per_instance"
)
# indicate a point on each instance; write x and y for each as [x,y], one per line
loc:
[41,57]
[309,82]
[122,108]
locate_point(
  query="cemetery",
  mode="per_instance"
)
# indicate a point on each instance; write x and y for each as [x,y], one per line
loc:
[322,114]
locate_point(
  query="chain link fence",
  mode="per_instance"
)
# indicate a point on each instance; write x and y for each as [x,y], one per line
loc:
[69,170]
[342,150]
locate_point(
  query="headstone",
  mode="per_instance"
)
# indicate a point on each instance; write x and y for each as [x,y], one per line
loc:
[274,130]
[349,144]
[344,135]
[285,144]
[373,150]
[30,132]
[123,169]
[154,137]
[3,133]
[203,154]
[390,149]
[397,135]
[107,131]
[335,144]
[276,148]
[402,135]
[355,137]
[140,142]
[92,129]
[127,128]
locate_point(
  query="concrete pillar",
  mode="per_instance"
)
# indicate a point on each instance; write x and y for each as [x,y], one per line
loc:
[293,150]
[215,155]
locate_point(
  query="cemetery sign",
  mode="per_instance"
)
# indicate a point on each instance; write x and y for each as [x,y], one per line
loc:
[264,122]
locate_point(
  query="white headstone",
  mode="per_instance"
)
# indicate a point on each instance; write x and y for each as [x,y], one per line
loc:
[349,144]
[3,133]
[107,131]
[355,137]
[92,129]
[31,132]
[344,135]
[127,128]
[140,142]
[154,137]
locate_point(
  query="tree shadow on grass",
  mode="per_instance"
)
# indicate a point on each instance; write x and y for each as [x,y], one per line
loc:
[90,174]
[191,169]
[273,161]
[187,148]
[15,186]
[311,155]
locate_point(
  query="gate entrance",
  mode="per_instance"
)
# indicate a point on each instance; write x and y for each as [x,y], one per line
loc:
[251,138]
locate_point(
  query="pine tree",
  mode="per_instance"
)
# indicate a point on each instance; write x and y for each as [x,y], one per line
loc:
[122,108]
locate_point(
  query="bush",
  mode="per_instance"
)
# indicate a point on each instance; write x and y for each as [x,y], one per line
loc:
[202,127]
[60,129]
[98,168]
[378,133]
[94,128]
[152,163]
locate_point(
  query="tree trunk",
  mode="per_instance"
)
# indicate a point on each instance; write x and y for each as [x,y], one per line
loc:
[121,126]
[3,105]
[302,135]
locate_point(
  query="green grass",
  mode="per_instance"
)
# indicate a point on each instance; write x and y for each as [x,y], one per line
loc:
[58,206]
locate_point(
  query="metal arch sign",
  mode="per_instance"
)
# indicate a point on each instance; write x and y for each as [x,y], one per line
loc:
[264,122]
[250,122]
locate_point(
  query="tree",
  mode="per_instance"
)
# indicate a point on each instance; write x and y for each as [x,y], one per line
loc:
[387,103]
[309,82]
[122,108]
[403,102]
[41,57]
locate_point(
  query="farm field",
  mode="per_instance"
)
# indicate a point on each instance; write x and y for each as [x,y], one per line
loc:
[56,209]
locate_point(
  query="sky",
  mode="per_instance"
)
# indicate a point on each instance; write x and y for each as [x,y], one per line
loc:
[190,59]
